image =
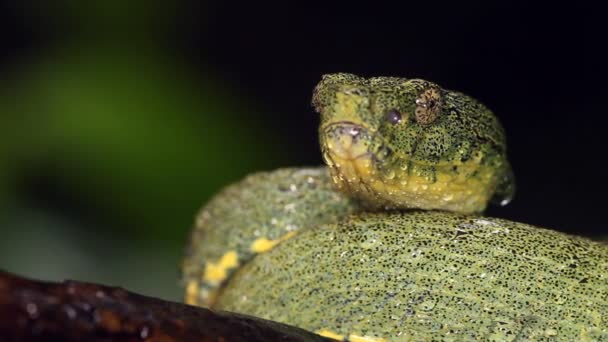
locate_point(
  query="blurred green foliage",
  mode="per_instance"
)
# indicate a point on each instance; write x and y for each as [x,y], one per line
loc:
[130,134]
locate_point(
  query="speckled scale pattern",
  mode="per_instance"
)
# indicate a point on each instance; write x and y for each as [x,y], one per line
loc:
[263,207]
[426,276]
[445,151]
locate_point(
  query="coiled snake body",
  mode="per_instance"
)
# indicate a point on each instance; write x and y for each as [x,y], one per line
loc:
[387,243]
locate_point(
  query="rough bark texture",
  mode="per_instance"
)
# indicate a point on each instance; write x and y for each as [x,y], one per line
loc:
[74,311]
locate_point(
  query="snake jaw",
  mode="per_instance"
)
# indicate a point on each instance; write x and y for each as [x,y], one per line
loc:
[354,156]
[365,167]
[346,140]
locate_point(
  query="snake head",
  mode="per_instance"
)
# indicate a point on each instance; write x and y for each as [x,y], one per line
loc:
[408,143]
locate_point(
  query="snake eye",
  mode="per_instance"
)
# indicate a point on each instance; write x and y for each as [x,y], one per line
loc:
[428,105]
[393,116]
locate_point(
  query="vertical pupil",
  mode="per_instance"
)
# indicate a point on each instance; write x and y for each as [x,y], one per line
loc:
[393,116]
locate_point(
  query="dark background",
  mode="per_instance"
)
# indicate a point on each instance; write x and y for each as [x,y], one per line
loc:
[118,120]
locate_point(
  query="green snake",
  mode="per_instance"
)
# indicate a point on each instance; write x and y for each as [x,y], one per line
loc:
[387,243]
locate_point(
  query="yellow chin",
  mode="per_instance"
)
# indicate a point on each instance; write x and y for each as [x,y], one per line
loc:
[467,191]
[350,174]
[349,161]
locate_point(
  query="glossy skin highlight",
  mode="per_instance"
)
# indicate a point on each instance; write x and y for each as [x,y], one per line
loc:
[407,143]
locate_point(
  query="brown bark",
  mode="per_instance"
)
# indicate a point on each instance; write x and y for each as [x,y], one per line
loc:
[74,311]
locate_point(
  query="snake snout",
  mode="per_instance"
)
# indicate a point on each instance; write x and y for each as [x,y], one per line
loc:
[346,140]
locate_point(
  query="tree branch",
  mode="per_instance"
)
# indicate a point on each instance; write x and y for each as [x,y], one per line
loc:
[74,311]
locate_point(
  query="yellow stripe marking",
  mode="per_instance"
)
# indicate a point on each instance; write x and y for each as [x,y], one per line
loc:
[263,244]
[191,293]
[330,334]
[357,338]
[216,272]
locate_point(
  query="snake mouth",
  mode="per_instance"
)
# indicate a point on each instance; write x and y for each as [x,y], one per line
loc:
[346,140]
[363,165]
[354,155]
